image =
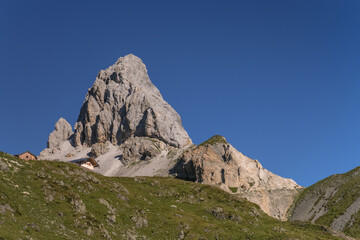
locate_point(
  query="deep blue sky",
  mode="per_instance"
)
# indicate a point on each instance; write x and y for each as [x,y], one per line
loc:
[279,79]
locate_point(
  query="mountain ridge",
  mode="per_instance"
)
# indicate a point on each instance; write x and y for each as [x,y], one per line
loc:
[126,125]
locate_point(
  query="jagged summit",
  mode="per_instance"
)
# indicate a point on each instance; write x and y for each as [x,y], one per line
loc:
[124,103]
[124,116]
[128,69]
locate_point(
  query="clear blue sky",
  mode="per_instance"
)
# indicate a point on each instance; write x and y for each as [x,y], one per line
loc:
[279,79]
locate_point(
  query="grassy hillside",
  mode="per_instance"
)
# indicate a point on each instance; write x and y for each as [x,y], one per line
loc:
[55,200]
[335,202]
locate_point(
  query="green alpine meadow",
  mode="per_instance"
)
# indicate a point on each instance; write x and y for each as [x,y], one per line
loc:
[57,200]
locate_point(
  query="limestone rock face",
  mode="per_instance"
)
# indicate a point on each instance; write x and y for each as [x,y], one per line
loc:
[123,103]
[140,148]
[216,162]
[62,132]
[99,149]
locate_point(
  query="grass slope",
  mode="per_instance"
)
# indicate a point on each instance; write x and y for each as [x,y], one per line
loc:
[213,140]
[56,200]
[347,187]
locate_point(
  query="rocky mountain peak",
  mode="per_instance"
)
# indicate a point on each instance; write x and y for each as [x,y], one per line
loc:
[127,70]
[122,106]
[123,103]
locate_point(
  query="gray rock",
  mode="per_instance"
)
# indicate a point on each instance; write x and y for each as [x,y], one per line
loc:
[279,229]
[99,149]
[122,197]
[135,149]
[140,221]
[181,235]
[3,166]
[33,225]
[218,212]
[123,103]
[89,231]
[6,207]
[62,132]
[111,218]
[48,197]
[105,233]
[110,208]
[235,218]
[79,206]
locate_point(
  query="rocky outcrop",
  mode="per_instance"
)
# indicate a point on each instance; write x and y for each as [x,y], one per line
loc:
[99,149]
[144,149]
[4,166]
[62,132]
[216,162]
[123,103]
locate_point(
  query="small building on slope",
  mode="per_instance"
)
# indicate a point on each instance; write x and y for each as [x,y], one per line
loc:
[88,163]
[26,156]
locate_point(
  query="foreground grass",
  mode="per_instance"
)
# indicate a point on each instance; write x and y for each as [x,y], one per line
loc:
[55,200]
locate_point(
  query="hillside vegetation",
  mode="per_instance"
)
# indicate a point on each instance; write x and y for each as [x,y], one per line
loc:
[56,200]
[213,140]
[333,202]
